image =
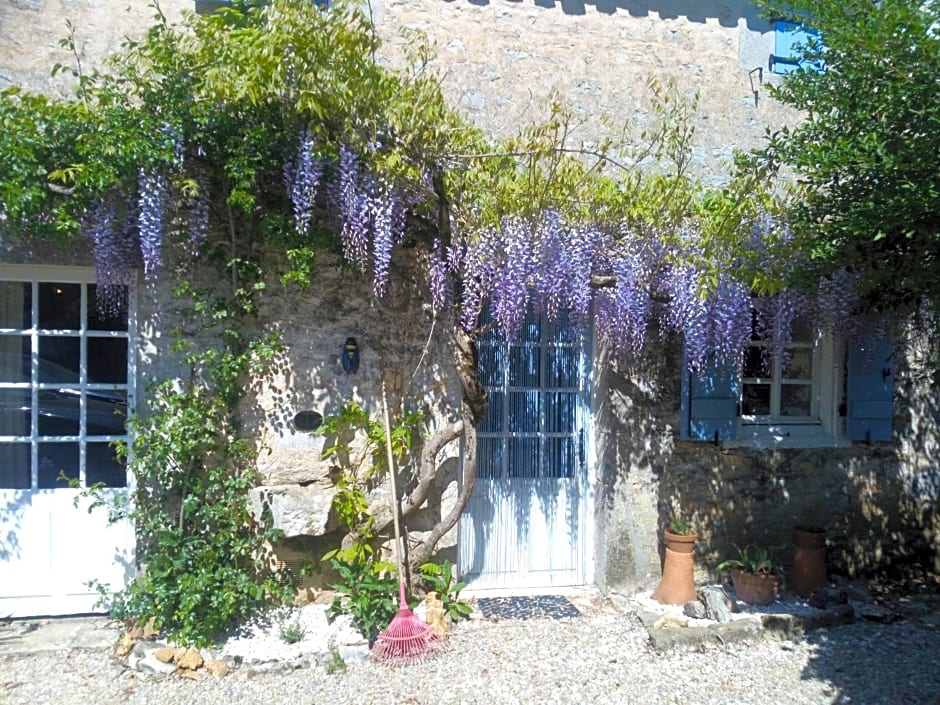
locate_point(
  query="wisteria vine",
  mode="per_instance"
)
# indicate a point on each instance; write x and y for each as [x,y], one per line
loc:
[653,281]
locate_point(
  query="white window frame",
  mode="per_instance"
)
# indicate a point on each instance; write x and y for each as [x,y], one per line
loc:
[36,274]
[825,427]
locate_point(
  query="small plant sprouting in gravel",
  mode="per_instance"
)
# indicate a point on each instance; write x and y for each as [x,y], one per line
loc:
[335,664]
[290,631]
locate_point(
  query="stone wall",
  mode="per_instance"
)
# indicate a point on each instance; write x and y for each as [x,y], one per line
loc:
[502,64]
[31,32]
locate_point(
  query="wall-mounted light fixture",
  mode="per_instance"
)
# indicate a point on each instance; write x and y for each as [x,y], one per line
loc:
[350,356]
[760,80]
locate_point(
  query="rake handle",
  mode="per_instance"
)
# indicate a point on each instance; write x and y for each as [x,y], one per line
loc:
[391,474]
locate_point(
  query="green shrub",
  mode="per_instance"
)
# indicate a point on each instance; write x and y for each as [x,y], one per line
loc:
[367,592]
[202,553]
[440,579]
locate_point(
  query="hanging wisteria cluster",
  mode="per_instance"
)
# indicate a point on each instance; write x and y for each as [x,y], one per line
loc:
[651,284]
[301,178]
[116,253]
[546,265]
[152,192]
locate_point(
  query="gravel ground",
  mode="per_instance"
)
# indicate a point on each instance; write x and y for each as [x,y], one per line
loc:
[601,657]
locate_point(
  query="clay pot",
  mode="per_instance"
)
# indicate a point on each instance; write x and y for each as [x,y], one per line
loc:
[809,561]
[680,543]
[754,588]
[678,584]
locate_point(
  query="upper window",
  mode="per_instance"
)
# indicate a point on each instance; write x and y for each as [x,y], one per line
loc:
[790,41]
[64,360]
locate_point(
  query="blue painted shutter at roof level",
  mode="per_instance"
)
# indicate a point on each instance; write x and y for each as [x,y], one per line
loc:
[709,408]
[786,57]
[870,388]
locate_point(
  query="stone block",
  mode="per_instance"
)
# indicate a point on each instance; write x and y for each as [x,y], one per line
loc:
[297,511]
[191,660]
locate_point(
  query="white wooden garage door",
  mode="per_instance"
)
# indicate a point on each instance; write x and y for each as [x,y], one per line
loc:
[65,372]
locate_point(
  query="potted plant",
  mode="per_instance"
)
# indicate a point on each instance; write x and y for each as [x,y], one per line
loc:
[680,536]
[678,583]
[753,574]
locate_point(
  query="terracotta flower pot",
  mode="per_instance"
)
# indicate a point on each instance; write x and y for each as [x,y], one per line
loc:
[809,561]
[754,588]
[678,584]
[680,543]
[809,538]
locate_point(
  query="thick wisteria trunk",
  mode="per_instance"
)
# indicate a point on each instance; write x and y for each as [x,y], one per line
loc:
[472,408]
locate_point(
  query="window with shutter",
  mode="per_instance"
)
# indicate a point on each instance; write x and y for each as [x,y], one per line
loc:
[791,39]
[823,392]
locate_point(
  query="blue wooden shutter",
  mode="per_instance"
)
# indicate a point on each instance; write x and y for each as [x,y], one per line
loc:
[787,58]
[870,388]
[709,407]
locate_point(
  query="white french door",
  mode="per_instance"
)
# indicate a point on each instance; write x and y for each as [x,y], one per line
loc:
[66,376]
[526,524]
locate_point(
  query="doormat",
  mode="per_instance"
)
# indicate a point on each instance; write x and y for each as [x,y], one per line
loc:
[519,607]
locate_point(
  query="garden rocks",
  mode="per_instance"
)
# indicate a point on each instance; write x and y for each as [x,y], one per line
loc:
[726,621]
[260,646]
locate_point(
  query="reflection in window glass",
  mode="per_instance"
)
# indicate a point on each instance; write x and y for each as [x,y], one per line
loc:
[108,311]
[58,463]
[524,366]
[560,411]
[105,413]
[104,466]
[756,399]
[14,466]
[560,457]
[14,358]
[16,304]
[524,460]
[59,412]
[60,306]
[563,367]
[492,364]
[800,364]
[795,400]
[15,412]
[59,358]
[493,421]
[490,457]
[524,412]
[756,362]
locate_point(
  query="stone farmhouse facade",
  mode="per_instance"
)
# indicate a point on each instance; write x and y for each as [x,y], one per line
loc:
[649,443]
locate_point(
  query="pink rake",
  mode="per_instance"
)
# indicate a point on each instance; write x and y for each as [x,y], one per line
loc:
[408,638]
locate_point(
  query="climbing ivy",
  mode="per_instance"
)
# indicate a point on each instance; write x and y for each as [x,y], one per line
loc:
[204,556]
